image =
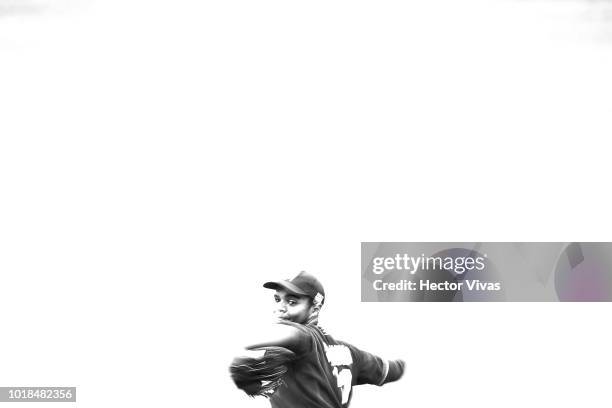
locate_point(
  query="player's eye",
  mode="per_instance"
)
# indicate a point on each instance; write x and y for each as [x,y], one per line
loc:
[276,299]
[292,302]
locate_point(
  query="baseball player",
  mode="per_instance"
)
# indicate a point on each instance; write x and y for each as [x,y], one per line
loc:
[321,371]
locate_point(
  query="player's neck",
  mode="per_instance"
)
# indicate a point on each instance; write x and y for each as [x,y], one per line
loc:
[312,321]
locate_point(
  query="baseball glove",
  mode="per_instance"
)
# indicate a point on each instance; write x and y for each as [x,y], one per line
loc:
[263,374]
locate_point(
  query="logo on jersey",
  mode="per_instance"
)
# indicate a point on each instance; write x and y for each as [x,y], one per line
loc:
[338,356]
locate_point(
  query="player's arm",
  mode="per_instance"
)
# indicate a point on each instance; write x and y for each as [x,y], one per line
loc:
[371,369]
[280,335]
[395,371]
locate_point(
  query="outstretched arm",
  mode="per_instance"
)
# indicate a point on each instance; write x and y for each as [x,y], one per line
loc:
[371,369]
[395,371]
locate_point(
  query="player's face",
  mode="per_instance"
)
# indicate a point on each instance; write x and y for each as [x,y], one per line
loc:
[292,307]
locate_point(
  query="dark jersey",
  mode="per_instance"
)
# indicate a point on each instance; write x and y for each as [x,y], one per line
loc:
[325,371]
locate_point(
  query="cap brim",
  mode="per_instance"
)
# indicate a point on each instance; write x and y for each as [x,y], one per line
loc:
[285,285]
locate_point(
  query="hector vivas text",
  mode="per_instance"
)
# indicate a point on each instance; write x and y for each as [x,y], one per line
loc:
[411,264]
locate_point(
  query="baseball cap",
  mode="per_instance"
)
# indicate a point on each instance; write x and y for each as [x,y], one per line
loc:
[302,284]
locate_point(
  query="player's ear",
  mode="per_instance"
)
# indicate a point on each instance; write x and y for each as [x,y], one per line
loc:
[314,313]
[315,307]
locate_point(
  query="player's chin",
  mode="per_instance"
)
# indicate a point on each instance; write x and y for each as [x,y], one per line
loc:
[290,319]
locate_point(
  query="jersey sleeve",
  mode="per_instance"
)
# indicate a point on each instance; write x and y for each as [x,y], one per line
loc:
[302,342]
[368,368]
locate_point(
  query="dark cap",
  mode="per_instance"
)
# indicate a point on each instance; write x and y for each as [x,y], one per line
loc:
[303,284]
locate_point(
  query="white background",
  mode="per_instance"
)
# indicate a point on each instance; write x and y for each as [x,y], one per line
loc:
[160,160]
